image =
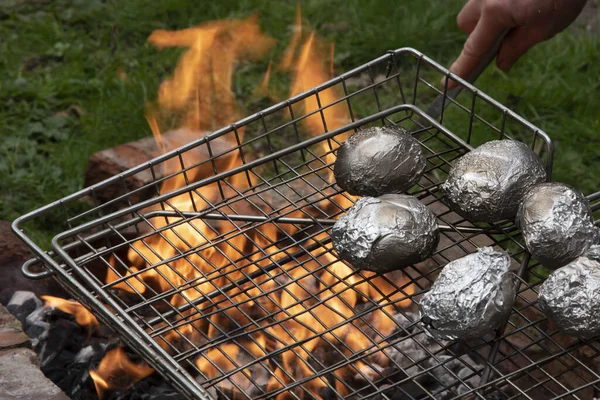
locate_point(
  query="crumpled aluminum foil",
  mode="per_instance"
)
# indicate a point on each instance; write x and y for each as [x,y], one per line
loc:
[488,183]
[570,298]
[471,297]
[593,253]
[557,224]
[386,233]
[380,160]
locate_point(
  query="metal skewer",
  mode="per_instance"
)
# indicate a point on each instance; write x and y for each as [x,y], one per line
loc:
[308,221]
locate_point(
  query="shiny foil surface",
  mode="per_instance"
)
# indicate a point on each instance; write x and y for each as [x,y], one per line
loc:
[380,160]
[471,297]
[386,233]
[488,183]
[570,298]
[557,224]
[593,252]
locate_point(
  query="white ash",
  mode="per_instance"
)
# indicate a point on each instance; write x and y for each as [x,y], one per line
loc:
[21,296]
[37,326]
[22,303]
[38,318]
[84,354]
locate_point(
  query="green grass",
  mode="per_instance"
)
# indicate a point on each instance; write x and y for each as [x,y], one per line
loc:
[61,98]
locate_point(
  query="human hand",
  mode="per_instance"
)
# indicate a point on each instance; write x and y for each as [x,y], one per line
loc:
[529,22]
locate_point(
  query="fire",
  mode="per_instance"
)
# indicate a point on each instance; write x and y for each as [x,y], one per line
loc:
[82,316]
[308,72]
[116,371]
[304,310]
[200,89]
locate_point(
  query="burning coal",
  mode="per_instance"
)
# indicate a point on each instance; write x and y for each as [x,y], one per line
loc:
[82,315]
[116,371]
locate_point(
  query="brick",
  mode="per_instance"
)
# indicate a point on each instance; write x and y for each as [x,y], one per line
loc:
[110,162]
[22,378]
[11,331]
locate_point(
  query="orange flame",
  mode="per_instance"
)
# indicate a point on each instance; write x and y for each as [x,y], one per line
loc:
[324,110]
[82,316]
[116,371]
[288,56]
[263,88]
[200,88]
[309,71]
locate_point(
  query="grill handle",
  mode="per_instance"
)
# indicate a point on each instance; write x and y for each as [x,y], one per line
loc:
[594,200]
[30,274]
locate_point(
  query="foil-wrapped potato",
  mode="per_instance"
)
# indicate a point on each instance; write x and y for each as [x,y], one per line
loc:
[488,183]
[593,253]
[380,160]
[570,298]
[471,297]
[557,224]
[386,233]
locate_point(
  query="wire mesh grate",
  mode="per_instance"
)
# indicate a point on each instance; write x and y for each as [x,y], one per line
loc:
[223,277]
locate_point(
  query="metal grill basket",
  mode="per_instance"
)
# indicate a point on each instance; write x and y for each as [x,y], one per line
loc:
[281,317]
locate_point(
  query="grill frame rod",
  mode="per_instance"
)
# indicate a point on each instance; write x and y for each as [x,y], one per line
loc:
[291,185]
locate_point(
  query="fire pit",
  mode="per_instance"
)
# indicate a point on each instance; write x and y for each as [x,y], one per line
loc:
[226,283]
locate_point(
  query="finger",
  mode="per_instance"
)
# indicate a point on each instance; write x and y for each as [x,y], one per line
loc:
[481,41]
[469,16]
[518,42]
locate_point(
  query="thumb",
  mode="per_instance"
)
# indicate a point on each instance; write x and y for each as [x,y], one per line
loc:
[516,44]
